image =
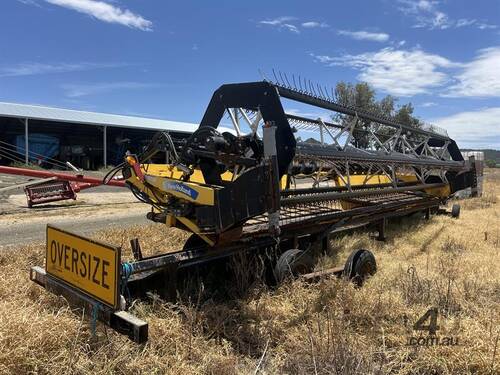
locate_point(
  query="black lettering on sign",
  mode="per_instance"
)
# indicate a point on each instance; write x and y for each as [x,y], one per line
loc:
[81,263]
[97,261]
[89,259]
[84,264]
[74,260]
[66,256]
[60,249]
[105,265]
[53,252]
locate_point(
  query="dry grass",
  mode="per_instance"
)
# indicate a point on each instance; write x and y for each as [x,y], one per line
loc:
[324,328]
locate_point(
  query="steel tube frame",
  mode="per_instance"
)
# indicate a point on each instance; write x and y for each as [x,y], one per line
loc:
[346,220]
[26,142]
[105,145]
[355,194]
[326,104]
[60,176]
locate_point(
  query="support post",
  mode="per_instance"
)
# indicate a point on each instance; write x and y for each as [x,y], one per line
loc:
[269,137]
[26,142]
[321,132]
[381,230]
[105,145]
[169,287]
[325,243]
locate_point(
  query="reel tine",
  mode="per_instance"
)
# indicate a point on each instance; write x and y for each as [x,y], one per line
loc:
[294,84]
[282,80]
[327,94]
[275,78]
[313,92]
[288,83]
[320,91]
[300,84]
[262,75]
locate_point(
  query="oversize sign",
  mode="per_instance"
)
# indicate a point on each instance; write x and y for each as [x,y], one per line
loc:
[87,265]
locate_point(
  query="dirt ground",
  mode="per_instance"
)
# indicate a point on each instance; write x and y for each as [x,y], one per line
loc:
[94,209]
[244,327]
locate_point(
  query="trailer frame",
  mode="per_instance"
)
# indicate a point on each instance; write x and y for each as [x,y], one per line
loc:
[313,230]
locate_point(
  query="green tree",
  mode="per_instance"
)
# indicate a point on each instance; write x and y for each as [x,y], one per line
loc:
[404,115]
[362,96]
[490,163]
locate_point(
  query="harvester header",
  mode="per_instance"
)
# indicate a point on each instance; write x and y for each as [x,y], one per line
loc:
[260,190]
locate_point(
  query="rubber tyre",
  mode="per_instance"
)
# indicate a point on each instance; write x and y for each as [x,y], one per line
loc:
[455,211]
[292,263]
[360,265]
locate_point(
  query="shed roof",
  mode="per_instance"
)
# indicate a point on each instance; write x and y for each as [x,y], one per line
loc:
[92,118]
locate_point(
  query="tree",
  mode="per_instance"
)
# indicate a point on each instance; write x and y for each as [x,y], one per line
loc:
[362,96]
[404,116]
[490,163]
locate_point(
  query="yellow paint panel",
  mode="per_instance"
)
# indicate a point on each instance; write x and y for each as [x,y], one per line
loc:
[191,192]
[89,266]
[442,192]
[358,179]
[170,171]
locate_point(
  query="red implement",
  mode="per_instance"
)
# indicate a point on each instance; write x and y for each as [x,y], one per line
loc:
[65,186]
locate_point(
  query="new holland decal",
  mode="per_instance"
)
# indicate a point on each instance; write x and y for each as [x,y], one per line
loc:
[181,188]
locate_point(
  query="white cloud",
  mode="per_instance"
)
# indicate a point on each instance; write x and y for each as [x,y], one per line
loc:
[30,68]
[465,22]
[314,24]
[106,12]
[365,35]
[291,28]
[428,104]
[479,128]
[398,72]
[29,2]
[287,23]
[277,21]
[480,77]
[427,15]
[484,26]
[324,115]
[282,23]
[79,90]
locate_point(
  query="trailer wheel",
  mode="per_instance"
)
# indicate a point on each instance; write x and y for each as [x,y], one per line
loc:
[360,265]
[455,210]
[293,262]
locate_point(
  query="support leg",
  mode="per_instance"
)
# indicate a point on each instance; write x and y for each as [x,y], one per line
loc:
[325,243]
[381,230]
[169,290]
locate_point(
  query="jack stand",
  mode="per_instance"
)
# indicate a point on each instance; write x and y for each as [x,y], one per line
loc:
[381,230]
[136,248]
[325,244]
[169,290]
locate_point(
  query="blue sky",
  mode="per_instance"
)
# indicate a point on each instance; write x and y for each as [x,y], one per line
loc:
[164,59]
